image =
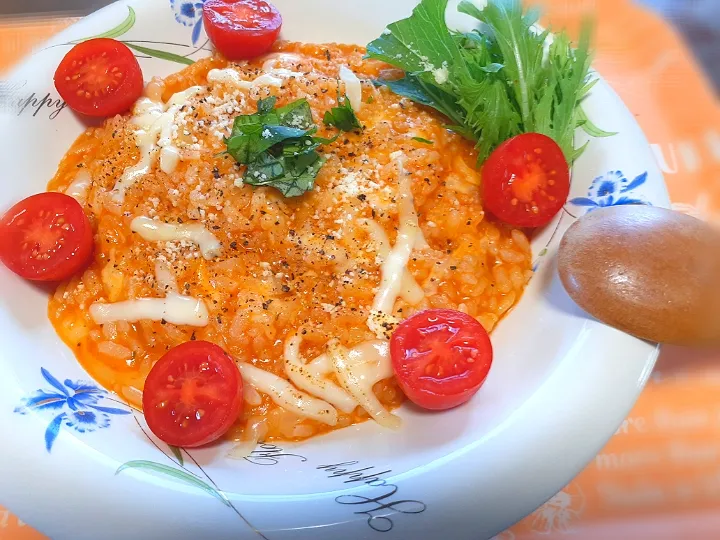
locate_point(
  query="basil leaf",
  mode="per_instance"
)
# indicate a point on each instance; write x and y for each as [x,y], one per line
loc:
[244,145]
[342,117]
[291,176]
[264,170]
[296,114]
[278,146]
[266,105]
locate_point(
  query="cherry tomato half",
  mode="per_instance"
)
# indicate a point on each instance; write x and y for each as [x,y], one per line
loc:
[193,394]
[46,237]
[526,180]
[241,29]
[441,357]
[99,77]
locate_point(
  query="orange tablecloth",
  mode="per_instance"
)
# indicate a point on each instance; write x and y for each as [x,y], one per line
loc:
[659,476]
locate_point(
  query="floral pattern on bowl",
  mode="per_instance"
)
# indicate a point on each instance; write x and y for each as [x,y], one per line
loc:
[612,189]
[189,13]
[73,404]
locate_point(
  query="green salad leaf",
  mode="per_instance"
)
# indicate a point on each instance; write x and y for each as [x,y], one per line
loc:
[499,80]
[278,146]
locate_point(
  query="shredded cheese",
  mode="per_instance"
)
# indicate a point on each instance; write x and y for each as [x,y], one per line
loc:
[353,87]
[156,231]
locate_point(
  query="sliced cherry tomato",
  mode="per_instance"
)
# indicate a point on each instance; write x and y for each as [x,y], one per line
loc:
[46,237]
[193,394]
[526,180]
[441,357]
[241,29]
[99,77]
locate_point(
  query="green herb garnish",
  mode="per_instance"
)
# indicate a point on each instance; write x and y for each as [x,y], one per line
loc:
[420,139]
[342,117]
[494,82]
[278,146]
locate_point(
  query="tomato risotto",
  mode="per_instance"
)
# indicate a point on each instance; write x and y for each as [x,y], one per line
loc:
[293,288]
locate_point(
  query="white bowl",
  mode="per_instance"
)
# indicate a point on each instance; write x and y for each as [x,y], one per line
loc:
[560,385]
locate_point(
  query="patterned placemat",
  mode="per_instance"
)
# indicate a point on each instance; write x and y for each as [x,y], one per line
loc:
[659,476]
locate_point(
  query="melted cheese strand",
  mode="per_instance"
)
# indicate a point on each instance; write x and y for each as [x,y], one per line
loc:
[155,122]
[254,433]
[409,236]
[407,202]
[165,278]
[370,360]
[306,380]
[157,231]
[251,396]
[272,60]
[394,268]
[410,291]
[174,308]
[320,366]
[273,77]
[79,187]
[353,381]
[287,396]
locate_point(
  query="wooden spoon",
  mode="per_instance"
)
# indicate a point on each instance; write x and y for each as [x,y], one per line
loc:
[647,271]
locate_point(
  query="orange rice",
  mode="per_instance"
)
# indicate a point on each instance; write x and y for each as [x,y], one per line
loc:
[286,264]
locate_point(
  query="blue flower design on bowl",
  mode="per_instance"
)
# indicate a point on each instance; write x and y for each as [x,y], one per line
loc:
[612,189]
[73,404]
[189,13]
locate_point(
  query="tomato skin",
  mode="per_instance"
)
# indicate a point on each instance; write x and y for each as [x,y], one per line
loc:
[99,77]
[46,237]
[441,357]
[193,394]
[526,180]
[241,29]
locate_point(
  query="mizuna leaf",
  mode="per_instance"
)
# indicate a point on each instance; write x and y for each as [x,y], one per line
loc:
[588,127]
